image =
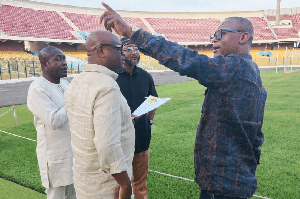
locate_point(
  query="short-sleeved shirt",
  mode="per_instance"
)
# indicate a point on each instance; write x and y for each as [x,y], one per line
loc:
[135,88]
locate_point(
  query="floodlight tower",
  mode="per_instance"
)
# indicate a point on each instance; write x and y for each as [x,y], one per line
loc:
[278,13]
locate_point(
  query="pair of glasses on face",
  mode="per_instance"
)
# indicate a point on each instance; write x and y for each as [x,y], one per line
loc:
[219,33]
[130,49]
[118,46]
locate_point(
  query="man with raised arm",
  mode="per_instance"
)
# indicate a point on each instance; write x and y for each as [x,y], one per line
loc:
[100,121]
[46,102]
[229,134]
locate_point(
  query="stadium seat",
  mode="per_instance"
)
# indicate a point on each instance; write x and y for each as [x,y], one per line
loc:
[184,30]
[291,32]
[26,22]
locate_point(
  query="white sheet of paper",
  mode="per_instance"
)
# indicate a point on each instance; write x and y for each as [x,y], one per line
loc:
[147,105]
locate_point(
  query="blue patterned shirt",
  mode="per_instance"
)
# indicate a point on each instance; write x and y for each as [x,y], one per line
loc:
[229,134]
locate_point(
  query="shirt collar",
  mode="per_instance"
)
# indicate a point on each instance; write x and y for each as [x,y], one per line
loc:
[247,56]
[134,71]
[99,69]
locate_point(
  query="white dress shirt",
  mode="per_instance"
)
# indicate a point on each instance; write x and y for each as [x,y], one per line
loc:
[54,152]
[102,132]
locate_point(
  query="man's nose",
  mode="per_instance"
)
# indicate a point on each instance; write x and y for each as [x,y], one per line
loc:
[134,51]
[64,62]
[214,40]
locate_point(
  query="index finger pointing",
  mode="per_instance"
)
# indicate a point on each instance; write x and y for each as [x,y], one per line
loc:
[107,7]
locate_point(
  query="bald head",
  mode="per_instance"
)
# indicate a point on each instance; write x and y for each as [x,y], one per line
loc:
[104,48]
[241,23]
[100,37]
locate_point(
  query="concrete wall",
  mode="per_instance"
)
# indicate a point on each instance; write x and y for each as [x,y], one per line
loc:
[11,45]
[65,47]
[283,11]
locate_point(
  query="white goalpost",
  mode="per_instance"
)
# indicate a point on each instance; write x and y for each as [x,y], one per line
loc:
[292,61]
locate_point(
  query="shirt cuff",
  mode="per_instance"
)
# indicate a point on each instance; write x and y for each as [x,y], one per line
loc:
[117,166]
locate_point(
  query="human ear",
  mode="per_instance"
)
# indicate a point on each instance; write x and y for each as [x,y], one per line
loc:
[244,37]
[44,63]
[100,52]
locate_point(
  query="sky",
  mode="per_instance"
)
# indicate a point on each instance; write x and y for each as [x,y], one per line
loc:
[181,5]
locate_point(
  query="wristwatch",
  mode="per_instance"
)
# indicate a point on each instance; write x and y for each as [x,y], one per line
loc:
[151,122]
[133,30]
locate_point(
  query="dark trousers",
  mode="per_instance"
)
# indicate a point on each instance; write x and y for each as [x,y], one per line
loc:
[205,195]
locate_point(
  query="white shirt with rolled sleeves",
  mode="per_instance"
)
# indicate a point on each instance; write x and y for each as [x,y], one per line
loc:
[54,152]
[103,135]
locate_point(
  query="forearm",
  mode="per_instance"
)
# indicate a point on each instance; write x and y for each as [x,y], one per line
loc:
[42,106]
[58,117]
[170,54]
[122,179]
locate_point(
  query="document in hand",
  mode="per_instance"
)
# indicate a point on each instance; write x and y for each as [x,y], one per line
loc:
[149,104]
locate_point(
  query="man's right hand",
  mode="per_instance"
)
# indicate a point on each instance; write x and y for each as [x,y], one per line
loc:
[113,20]
[125,185]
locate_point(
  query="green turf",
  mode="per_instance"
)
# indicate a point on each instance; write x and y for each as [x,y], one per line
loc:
[10,190]
[173,136]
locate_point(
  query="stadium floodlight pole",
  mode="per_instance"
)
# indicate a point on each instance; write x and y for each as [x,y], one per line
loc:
[278,13]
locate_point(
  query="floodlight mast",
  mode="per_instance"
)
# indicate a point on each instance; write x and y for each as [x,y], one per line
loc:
[278,13]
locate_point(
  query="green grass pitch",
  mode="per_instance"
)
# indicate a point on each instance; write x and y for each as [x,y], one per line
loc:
[172,144]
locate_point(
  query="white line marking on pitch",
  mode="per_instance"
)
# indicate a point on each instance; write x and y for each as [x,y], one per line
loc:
[18,136]
[186,179]
[172,176]
[6,112]
[194,181]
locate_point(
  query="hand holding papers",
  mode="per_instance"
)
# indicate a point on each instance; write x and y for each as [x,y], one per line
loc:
[149,104]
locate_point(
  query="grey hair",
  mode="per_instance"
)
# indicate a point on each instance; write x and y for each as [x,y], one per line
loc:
[245,25]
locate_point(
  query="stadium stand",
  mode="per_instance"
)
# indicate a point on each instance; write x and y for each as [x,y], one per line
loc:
[261,29]
[78,55]
[16,55]
[85,22]
[25,22]
[88,23]
[184,30]
[29,25]
[289,32]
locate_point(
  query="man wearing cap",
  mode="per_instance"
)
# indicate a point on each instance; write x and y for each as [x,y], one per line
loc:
[136,84]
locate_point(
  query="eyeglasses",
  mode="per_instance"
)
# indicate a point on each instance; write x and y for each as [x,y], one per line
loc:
[130,49]
[219,33]
[118,46]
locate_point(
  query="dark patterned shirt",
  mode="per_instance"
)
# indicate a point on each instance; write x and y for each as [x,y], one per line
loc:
[229,134]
